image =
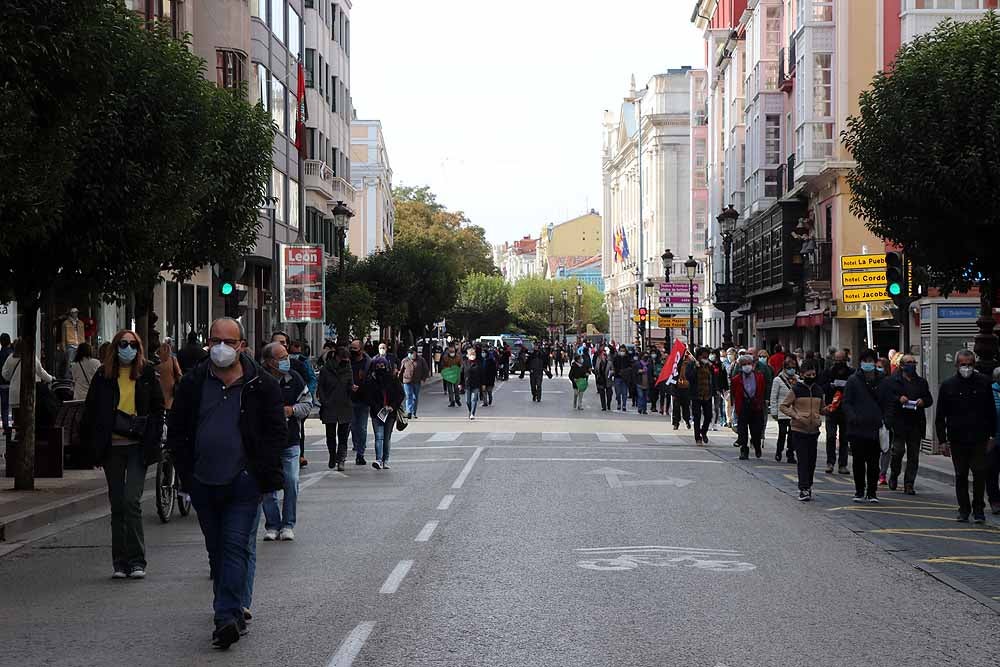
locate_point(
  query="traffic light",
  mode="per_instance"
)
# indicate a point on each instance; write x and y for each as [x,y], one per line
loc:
[226,287]
[897,284]
[643,314]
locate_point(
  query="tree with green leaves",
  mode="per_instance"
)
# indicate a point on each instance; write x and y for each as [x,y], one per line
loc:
[925,142]
[119,162]
[481,307]
[529,305]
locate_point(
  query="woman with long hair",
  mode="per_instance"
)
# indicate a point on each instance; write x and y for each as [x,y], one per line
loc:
[123,423]
[170,372]
[83,369]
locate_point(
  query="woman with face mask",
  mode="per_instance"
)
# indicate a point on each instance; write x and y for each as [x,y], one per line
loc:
[335,380]
[780,388]
[748,389]
[472,381]
[451,379]
[123,422]
[385,396]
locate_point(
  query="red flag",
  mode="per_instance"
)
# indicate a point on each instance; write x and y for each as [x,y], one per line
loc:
[673,360]
[301,113]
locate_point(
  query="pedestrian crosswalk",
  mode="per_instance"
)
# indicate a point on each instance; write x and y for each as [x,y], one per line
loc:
[446,439]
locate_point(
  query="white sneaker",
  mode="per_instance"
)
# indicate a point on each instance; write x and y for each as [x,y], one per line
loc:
[385,465]
[472,417]
[287,535]
[119,574]
[270,535]
[137,573]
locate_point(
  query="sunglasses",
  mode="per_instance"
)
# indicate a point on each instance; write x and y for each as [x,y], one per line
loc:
[123,344]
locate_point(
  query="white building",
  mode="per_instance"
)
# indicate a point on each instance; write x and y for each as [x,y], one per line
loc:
[664,107]
[374,224]
[517,260]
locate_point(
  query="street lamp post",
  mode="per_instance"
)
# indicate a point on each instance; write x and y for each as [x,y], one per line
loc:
[564,295]
[579,309]
[727,303]
[552,300]
[341,219]
[691,267]
[668,261]
[648,330]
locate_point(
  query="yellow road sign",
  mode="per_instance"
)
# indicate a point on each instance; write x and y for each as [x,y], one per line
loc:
[850,262]
[676,322]
[861,294]
[863,278]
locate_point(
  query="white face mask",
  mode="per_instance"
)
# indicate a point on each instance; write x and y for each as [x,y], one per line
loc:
[382,350]
[711,357]
[747,368]
[223,356]
[966,371]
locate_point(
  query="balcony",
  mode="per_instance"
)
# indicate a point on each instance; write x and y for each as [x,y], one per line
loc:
[319,177]
[916,22]
[343,191]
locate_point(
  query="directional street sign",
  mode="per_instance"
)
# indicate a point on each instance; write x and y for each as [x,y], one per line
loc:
[683,288]
[858,295]
[674,311]
[677,322]
[678,299]
[849,262]
[863,278]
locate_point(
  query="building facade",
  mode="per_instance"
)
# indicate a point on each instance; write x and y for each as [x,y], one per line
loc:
[518,259]
[373,226]
[661,112]
[577,237]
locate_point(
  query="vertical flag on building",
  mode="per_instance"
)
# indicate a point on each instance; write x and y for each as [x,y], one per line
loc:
[625,252]
[673,361]
[618,245]
[301,112]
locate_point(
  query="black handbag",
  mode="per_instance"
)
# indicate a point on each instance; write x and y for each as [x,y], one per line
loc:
[129,426]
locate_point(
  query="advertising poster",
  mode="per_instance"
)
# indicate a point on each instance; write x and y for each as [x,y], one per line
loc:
[303,289]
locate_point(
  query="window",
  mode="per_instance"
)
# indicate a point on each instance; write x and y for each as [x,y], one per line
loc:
[822,10]
[278,191]
[334,86]
[699,176]
[347,37]
[310,63]
[278,19]
[263,87]
[823,85]
[229,69]
[822,139]
[772,32]
[278,102]
[258,8]
[309,4]
[334,17]
[326,77]
[293,203]
[294,30]
[319,73]
[772,139]
[951,4]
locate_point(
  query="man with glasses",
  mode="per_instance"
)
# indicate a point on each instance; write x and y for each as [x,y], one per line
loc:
[907,398]
[226,432]
[966,420]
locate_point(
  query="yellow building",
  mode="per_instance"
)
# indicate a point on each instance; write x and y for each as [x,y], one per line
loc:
[578,237]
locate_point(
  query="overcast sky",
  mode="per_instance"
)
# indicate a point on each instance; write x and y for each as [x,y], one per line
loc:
[498,106]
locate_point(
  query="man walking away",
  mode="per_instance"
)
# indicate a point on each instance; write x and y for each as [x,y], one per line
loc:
[780,388]
[862,421]
[834,381]
[360,364]
[804,406]
[297,402]
[682,395]
[748,392]
[335,404]
[965,421]
[489,376]
[701,381]
[536,365]
[907,398]
[191,354]
[622,367]
[412,371]
[226,432]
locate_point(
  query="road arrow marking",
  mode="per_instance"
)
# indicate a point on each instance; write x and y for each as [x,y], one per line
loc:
[670,481]
[612,475]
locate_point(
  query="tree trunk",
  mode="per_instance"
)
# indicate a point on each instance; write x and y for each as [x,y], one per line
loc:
[24,468]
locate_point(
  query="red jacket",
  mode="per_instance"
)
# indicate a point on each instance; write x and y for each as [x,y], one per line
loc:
[777,362]
[736,386]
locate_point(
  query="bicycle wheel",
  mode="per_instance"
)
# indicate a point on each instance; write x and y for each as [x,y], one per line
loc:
[165,493]
[183,502]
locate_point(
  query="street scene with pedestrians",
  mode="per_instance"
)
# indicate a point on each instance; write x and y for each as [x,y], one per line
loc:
[721,389]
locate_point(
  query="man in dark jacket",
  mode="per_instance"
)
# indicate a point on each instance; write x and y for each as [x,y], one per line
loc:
[907,398]
[622,368]
[862,420]
[701,383]
[360,365]
[226,432]
[603,378]
[536,365]
[965,421]
[834,380]
[192,353]
[335,381]
[301,366]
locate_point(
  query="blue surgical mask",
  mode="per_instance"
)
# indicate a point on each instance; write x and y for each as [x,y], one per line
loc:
[867,366]
[127,356]
[285,365]
[909,369]
[790,372]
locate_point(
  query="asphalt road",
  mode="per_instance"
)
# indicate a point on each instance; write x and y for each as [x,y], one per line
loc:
[535,535]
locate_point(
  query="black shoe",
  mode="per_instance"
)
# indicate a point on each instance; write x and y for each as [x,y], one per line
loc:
[859,497]
[803,495]
[963,517]
[360,461]
[842,470]
[226,635]
[979,517]
[745,457]
[247,616]
[757,451]
[777,457]
[893,483]
[908,490]
[791,458]
[332,464]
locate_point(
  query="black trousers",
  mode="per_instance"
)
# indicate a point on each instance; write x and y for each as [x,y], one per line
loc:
[536,386]
[968,457]
[804,445]
[606,393]
[783,426]
[682,405]
[702,410]
[750,427]
[906,442]
[865,454]
[337,436]
[835,428]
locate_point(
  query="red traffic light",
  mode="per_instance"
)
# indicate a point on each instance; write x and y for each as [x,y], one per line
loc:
[643,314]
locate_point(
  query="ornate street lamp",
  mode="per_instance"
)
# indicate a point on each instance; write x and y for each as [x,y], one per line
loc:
[579,309]
[564,295]
[725,294]
[341,219]
[668,262]
[552,300]
[691,268]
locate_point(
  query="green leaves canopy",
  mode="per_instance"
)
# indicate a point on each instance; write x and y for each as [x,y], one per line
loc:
[529,304]
[926,141]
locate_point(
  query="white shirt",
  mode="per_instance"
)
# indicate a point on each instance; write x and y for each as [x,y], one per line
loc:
[12,373]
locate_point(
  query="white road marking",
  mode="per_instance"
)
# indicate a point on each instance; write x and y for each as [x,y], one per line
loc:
[460,480]
[557,436]
[501,437]
[546,392]
[617,460]
[399,435]
[352,645]
[611,437]
[611,475]
[423,460]
[445,436]
[663,437]
[312,479]
[444,447]
[426,532]
[396,577]
[660,548]
[621,559]
[446,502]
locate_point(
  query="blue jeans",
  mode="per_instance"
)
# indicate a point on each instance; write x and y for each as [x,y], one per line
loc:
[641,400]
[472,399]
[412,391]
[621,393]
[273,519]
[383,433]
[226,514]
[252,565]
[359,427]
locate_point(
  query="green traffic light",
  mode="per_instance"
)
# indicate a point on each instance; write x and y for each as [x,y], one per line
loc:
[895,289]
[227,289]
